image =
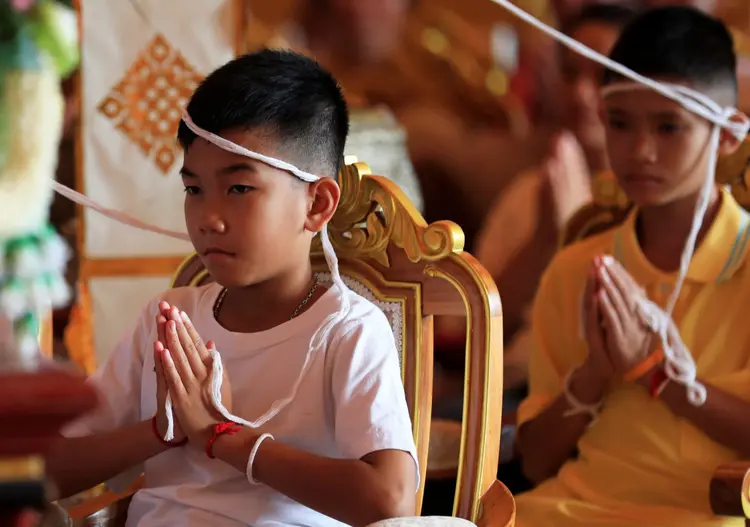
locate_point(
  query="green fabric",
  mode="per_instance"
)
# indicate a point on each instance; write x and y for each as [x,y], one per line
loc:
[50,35]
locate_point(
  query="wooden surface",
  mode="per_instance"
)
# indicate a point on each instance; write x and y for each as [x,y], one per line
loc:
[726,489]
[498,507]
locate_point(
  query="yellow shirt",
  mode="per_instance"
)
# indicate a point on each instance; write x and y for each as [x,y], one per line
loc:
[640,464]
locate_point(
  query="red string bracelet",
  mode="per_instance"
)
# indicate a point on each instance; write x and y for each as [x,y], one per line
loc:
[171,444]
[228,428]
[658,380]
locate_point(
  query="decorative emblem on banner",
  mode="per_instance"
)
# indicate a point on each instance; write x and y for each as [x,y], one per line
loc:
[146,105]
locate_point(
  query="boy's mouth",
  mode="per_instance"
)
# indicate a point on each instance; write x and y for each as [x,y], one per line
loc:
[643,179]
[216,251]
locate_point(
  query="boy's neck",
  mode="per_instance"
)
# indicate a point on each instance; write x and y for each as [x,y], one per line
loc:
[662,230]
[263,306]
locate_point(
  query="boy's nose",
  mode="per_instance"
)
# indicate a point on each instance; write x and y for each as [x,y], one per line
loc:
[644,149]
[213,224]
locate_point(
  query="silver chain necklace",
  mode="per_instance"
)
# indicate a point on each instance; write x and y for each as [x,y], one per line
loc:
[222,295]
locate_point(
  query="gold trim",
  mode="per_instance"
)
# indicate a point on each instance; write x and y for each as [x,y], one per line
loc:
[22,468]
[488,381]
[434,272]
[358,230]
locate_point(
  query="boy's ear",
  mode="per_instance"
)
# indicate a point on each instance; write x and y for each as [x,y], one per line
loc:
[729,144]
[323,198]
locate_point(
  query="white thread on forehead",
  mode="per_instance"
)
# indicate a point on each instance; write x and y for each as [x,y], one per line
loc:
[234,148]
[319,337]
[680,365]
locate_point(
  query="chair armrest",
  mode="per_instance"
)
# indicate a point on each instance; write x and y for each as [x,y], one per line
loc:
[108,509]
[727,486]
[497,507]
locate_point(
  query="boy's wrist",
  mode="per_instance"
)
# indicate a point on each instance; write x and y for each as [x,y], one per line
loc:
[235,449]
[158,428]
[590,384]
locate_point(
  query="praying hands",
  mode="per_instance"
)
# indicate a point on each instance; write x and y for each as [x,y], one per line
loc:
[183,364]
[628,340]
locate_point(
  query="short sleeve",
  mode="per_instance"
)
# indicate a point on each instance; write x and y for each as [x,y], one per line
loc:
[118,383]
[547,331]
[370,407]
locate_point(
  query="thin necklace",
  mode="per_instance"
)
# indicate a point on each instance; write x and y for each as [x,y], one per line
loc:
[222,295]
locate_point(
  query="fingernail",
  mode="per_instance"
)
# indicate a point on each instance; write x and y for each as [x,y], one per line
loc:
[608,260]
[185,316]
[176,315]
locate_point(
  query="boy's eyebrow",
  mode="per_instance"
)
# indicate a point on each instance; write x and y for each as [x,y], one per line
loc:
[186,173]
[230,169]
[616,111]
[667,114]
[237,167]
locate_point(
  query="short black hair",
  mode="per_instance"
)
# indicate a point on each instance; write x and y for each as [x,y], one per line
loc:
[282,92]
[615,15]
[681,44]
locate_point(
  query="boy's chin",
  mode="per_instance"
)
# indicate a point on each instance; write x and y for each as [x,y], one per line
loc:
[233,280]
[646,197]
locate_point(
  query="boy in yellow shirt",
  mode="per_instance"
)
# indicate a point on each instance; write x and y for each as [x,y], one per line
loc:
[642,453]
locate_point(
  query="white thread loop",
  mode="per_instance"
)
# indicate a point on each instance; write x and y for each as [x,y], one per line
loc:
[578,407]
[251,459]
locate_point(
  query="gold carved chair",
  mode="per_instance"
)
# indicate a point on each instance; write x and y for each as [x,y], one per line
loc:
[413,272]
[729,491]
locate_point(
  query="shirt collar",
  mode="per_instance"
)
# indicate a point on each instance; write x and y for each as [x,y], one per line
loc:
[721,253]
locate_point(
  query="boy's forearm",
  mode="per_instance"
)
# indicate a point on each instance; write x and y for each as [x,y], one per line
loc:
[350,491]
[80,463]
[723,417]
[542,453]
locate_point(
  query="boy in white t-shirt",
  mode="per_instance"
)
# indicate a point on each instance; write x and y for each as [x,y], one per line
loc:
[340,447]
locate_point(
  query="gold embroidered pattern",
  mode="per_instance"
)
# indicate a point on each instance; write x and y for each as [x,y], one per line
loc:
[146,105]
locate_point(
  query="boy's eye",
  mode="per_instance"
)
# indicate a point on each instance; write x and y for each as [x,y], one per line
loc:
[617,124]
[191,190]
[668,128]
[240,189]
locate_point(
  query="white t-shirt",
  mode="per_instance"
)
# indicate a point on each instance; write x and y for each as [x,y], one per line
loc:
[350,403]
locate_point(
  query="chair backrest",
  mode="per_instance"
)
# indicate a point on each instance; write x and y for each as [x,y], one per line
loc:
[415,271]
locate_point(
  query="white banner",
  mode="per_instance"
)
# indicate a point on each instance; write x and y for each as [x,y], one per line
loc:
[141,62]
